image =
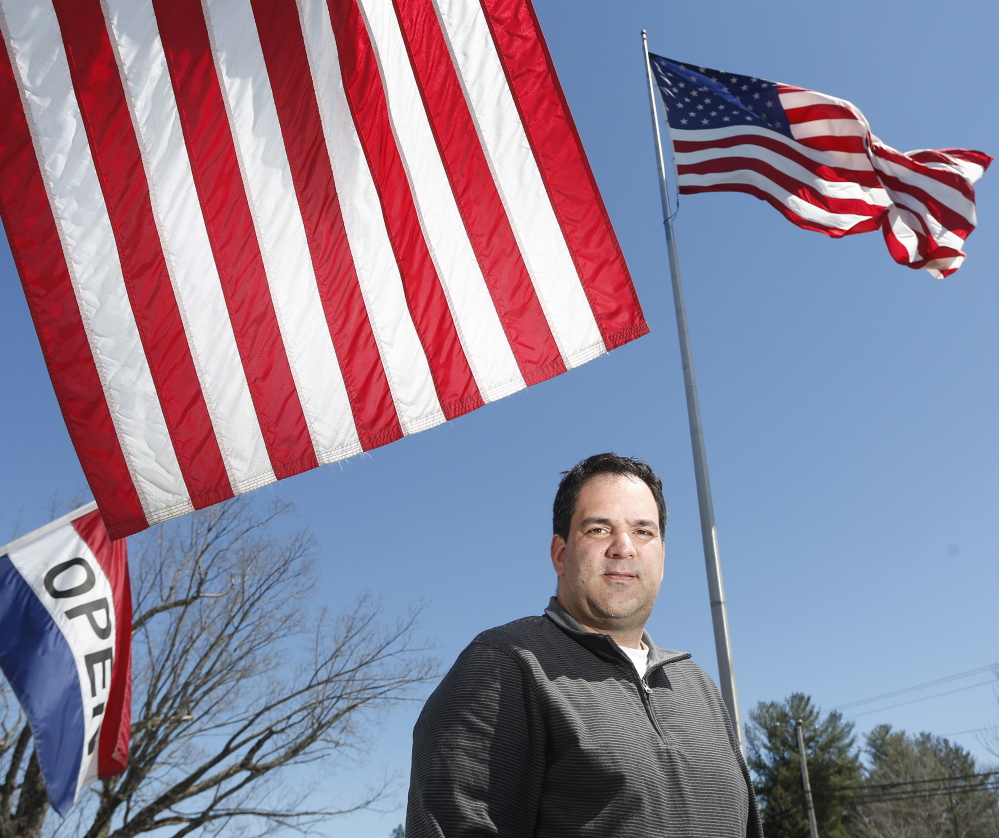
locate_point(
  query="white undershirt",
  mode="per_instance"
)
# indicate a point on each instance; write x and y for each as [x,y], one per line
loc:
[639,657]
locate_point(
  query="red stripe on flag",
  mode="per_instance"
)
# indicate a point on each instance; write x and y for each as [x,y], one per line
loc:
[564,169]
[950,219]
[220,188]
[112,749]
[927,246]
[851,144]
[927,250]
[301,127]
[811,113]
[865,226]
[452,376]
[980,158]
[101,98]
[941,253]
[898,251]
[39,256]
[944,176]
[785,149]
[478,200]
[944,156]
[812,193]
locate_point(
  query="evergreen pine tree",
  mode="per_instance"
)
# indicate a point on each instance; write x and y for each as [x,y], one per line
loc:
[833,767]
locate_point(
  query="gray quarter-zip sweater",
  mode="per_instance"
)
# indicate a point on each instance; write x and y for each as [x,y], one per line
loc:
[544,730]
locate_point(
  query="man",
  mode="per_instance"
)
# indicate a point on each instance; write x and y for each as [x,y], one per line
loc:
[575,724]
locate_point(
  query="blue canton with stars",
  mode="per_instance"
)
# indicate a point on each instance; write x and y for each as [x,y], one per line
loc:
[701,98]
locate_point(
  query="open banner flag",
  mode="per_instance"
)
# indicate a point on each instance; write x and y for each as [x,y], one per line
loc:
[257,236]
[66,611]
[814,158]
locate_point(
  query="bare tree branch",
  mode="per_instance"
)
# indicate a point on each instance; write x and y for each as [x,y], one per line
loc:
[236,677]
[923,786]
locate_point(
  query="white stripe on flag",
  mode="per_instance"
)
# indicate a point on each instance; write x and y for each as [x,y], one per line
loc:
[964,168]
[947,195]
[837,189]
[519,182]
[280,230]
[479,329]
[902,225]
[918,217]
[92,257]
[806,98]
[403,358]
[839,159]
[827,128]
[188,252]
[810,212]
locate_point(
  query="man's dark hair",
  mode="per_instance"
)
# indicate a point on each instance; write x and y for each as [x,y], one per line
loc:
[572,481]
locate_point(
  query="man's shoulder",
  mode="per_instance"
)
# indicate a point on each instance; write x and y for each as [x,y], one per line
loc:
[526,632]
[497,654]
[531,641]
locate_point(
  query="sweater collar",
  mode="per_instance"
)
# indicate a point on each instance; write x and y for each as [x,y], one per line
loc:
[603,645]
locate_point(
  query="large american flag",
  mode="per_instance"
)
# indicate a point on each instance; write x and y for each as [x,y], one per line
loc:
[257,236]
[814,158]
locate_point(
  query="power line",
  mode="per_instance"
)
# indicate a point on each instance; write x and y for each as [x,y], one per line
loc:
[855,792]
[952,789]
[922,795]
[923,686]
[953,778]
[904,790]
[916,700]
[897,793]
[973,730]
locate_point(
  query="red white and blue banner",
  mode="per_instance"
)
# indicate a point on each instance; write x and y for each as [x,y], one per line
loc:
[257,236]
[66,611]
[814,159]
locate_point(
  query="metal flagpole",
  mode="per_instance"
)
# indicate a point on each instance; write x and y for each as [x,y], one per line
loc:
[716,590]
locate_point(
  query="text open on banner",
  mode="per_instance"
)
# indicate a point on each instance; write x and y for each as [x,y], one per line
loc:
[66,609]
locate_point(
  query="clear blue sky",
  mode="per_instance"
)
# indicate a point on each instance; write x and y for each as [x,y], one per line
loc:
[850,405]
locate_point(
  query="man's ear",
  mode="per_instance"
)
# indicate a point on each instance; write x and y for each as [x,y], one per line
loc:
[558,553]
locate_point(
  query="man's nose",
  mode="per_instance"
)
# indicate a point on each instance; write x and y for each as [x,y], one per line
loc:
[621,545]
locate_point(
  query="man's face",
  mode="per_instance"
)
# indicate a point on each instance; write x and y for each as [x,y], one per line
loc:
[611,566]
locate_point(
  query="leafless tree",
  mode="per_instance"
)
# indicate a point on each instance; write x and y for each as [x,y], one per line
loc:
[237,678]
[923,786]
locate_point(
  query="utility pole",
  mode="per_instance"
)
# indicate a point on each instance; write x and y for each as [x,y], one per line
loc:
[804,779]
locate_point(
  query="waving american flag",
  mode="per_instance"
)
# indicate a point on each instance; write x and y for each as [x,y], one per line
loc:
[257,236]
[813,157]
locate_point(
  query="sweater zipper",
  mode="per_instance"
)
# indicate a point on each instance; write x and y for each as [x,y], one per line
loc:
[646,692]
[647,701]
